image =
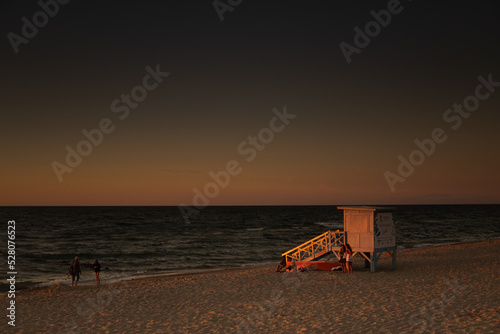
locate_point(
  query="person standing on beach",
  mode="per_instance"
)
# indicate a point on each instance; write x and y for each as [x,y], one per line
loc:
[342,255]
[348,258]
[74,270]
[97,269]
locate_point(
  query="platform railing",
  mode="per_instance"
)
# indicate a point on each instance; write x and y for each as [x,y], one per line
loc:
[322,245]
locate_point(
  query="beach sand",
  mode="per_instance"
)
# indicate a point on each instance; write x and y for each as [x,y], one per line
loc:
[452,288]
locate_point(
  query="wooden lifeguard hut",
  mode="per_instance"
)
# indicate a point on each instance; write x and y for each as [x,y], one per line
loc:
[370,231]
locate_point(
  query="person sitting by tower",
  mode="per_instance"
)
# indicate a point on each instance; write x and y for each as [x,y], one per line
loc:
[282,264]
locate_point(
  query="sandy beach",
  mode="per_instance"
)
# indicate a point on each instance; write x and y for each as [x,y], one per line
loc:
[445,289]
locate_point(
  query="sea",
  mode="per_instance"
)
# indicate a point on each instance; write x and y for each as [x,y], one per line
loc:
[147,241]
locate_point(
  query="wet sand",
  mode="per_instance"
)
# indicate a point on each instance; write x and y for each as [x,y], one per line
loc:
[452,288]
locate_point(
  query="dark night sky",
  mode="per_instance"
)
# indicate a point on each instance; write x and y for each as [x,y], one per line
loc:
[353,120]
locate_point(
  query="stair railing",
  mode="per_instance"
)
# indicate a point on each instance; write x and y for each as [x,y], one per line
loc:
[321,245]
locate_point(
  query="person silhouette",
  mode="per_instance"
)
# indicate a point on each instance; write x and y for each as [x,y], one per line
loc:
[97,269]
[349,258]
[74,271]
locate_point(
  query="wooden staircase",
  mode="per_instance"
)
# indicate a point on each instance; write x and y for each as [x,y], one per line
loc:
[318,247]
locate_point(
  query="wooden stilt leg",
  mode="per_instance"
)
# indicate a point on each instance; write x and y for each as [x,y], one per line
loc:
[373,264]
[394,259]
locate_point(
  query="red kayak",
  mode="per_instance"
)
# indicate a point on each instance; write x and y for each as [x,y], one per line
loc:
[315,265]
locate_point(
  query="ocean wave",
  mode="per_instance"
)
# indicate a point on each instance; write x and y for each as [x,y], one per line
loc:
[223,237]
[331,225]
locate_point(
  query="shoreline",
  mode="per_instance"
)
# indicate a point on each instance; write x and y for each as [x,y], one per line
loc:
[117,277]
[450,288]
[67,282]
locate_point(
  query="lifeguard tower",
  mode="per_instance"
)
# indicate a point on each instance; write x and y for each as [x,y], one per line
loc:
[369,230]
